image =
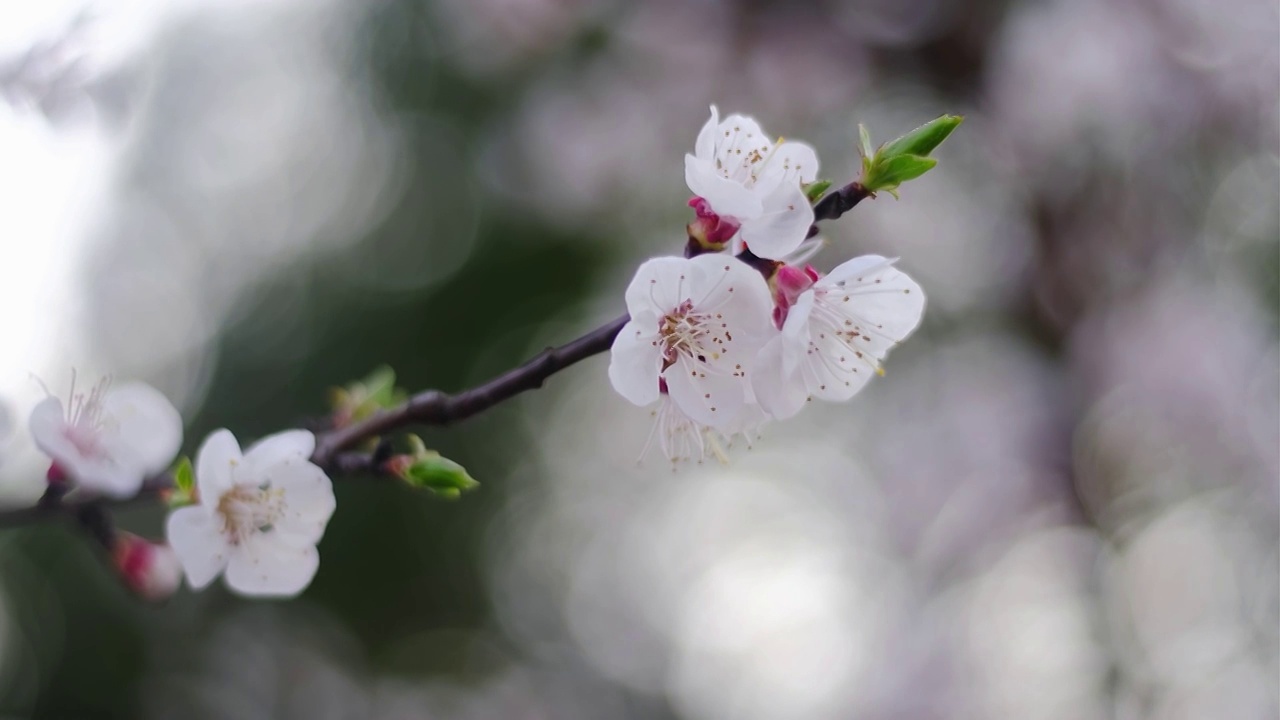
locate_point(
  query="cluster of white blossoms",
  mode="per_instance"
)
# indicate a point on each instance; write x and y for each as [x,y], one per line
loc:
[257,516]
[723,345]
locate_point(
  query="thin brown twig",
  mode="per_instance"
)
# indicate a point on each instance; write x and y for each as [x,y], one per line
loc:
[837,203]
[433,407]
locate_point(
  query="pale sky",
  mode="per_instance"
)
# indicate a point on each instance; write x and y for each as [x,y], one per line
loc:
[53,180]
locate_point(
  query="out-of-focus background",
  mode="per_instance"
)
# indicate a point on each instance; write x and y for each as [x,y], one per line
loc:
[1061,501]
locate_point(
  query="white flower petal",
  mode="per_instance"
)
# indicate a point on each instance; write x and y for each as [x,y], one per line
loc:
[659,285]
[635,360]
[834,370]
[749,419]
[265,567]
[736,138]
[272,449]
[780,392]
[796,330]
[201,548]
[705,147]
[883,302]
[708,397]
[740,295]
[803,254]
[143,428]
[216,461]
[782,226]
[117,478]
[792,163]
[727,197]
[308,501]
[851,269]
[48,426]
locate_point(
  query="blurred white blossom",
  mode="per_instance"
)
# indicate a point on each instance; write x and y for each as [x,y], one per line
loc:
[259,518]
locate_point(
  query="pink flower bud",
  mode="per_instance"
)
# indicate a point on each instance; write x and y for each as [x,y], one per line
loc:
[150,570]
[56,475]
[789,282]
[711,231]
[398,465]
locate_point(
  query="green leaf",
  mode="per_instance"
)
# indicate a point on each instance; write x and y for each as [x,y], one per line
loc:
[184,485]
[923,140]
[184,476]
[864,148]
[864,143]
[440,475]
[815,190]
[362,398]
[380,386]
[887,174]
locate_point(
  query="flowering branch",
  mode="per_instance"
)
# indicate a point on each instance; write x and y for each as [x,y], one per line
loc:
[56,503]
[739,332]
[431,407]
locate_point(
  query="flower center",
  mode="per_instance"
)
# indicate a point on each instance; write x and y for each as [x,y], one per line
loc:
[742,156]
[246,510]
[86,420]
[86,440]
[685,331]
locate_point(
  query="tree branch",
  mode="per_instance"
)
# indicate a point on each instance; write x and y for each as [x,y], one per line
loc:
[837,203]
[57,503]
[434,407]
[431,407]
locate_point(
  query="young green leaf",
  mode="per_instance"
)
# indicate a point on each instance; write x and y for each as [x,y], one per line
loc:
[362,398]
[865,149]
[924,139]
[815,190]
[888,173]
[864,142]
[184,476]
[380,386]
[184,484]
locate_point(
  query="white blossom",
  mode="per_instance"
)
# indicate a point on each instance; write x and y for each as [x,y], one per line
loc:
[259,517]
[683,439]
[748,180]
[696,327]
[109,440]
[835,333]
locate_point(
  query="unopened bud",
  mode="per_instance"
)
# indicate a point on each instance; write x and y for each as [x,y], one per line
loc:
[362,398]
[788,283]
[710,231]
[150,570]
[56,475]
[428,469]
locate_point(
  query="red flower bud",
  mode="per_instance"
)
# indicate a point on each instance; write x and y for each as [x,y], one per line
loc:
[710,231]
[789,283]
[150,570]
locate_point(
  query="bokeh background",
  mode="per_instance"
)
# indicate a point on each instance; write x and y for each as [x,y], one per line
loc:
[1061,501]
